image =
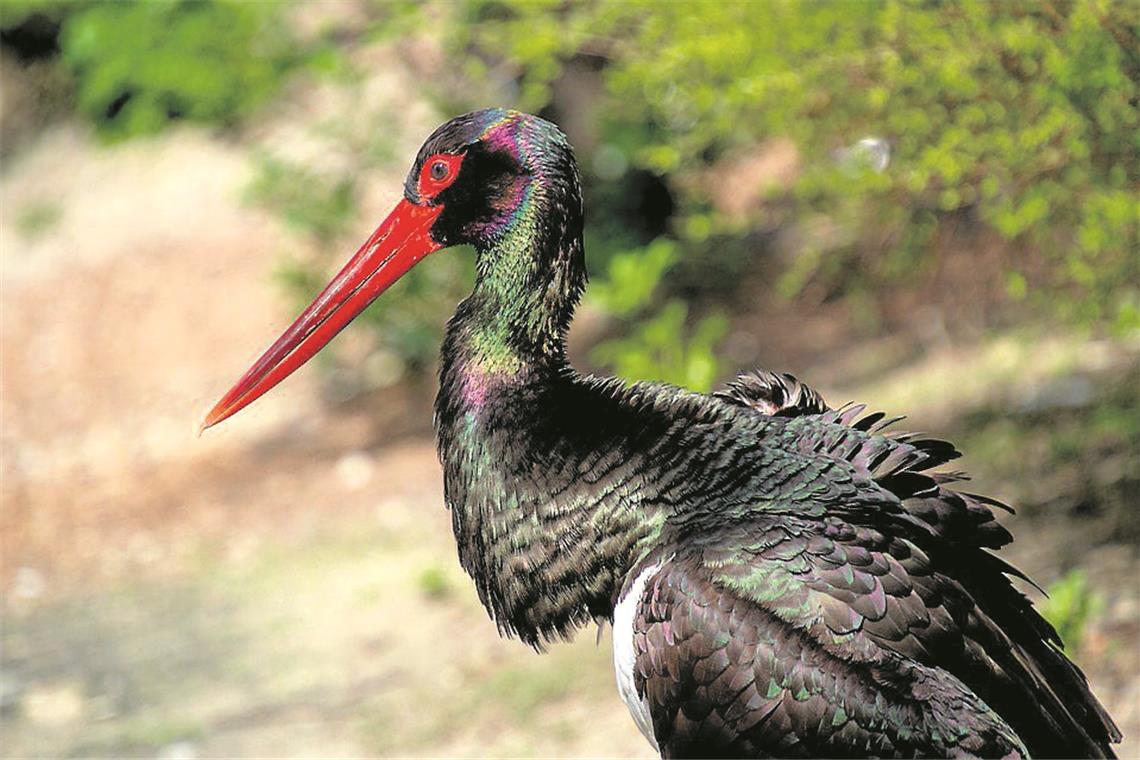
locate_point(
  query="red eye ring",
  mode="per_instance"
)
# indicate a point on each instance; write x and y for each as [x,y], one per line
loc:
[438,172]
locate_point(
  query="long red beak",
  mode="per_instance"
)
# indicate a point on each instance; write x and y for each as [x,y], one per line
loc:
[396,246]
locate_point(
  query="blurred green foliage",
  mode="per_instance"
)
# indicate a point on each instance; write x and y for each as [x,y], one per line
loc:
[35,219]
[433,582]
[660,348]
[1071,605]
[1018,118]
[308,201]
[1022,116]
[657,347]
[632,277]
[139,65]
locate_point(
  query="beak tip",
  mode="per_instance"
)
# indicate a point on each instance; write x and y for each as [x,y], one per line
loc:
[401,240]
[216,415]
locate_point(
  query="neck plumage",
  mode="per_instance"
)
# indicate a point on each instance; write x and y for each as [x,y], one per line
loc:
[545,547]
[530,277]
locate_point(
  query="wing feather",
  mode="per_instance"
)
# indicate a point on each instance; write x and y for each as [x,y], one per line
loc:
[888,557]
[733,680]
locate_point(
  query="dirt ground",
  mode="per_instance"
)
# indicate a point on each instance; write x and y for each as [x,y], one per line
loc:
[287,585]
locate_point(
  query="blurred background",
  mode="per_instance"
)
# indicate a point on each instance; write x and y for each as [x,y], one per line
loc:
[930,207]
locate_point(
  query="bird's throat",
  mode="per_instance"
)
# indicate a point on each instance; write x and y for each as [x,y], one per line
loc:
[514,322]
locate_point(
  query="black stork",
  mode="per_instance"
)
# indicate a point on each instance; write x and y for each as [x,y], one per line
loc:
[783,579]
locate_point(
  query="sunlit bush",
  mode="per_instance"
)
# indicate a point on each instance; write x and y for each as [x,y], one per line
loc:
[138,66]
[1071,605]
[1015,118]
[1020,116]
[657,345]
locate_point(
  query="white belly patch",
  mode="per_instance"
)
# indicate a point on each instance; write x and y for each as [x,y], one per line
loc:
[624,654]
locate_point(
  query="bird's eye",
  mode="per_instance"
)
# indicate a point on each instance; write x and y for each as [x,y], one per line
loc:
[439,170]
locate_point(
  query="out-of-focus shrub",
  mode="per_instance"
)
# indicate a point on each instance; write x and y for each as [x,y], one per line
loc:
[138,66]
[1021,117]
[307,201]
[661,348]
[1071,605]
[656,346]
